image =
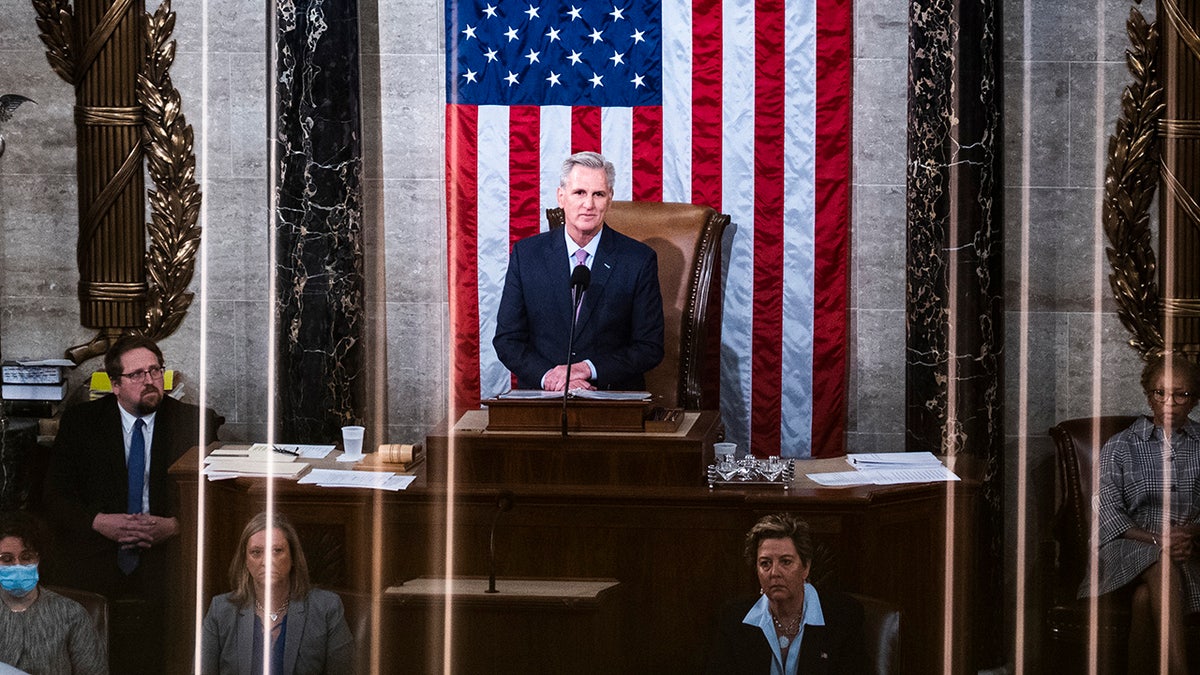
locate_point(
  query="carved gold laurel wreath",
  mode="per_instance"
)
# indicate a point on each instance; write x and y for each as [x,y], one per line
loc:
[175,205]
[1129,185]
[168,140]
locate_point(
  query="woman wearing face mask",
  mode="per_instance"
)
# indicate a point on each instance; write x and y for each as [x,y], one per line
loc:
[40,630]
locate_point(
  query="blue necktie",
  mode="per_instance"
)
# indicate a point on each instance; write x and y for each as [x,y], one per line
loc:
[127,558]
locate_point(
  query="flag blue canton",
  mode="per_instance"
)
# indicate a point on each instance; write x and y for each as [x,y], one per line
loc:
[585,53]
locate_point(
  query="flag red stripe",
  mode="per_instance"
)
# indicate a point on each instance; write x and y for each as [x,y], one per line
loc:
[833,119]
[707,34]
[647,154]
[462,224]
[767,330]
[585,129]
[524,178]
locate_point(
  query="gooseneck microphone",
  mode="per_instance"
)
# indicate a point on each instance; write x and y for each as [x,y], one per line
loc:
[504,502]
[581,276]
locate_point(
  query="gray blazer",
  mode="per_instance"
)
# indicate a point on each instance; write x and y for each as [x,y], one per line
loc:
[318,640]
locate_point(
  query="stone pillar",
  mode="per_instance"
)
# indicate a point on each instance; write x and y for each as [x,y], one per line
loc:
[954,343]
[319,279]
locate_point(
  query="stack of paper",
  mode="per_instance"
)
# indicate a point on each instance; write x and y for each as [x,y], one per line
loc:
[887,468]
[374,480]
[230,463]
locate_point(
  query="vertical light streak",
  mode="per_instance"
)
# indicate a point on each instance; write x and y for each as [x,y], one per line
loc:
[950,431]
[1099,290]
[272,223]
[451,444]
[1020,581]
[202,172]
[1168,290]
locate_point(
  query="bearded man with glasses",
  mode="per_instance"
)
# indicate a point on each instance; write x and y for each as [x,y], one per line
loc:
[107,493]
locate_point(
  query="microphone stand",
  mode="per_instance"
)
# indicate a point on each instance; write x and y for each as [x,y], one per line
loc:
[504,502]
[580,278]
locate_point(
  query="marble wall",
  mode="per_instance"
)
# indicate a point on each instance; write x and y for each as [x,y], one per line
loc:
[221,75]
[1065,350]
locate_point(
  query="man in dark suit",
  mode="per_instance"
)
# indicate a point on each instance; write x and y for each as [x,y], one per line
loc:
[108,495]
[619,331]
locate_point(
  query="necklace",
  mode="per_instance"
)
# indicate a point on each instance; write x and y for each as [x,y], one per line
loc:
[786,631]
[274,615]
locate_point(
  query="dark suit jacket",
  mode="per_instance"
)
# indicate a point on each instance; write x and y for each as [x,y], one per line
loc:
[88,475]
[620,326]
[835,648]
[318,640]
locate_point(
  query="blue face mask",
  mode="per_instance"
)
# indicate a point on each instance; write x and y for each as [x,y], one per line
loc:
[18,580]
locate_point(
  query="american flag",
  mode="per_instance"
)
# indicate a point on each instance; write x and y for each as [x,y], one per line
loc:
[743,107]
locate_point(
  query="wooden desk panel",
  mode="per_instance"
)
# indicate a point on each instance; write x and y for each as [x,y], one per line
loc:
[585,458]
[676,551]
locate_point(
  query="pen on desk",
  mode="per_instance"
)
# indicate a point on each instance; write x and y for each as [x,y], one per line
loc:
[285,451]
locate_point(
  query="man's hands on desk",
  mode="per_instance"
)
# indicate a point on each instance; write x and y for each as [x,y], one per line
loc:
[559,377]
[135,530]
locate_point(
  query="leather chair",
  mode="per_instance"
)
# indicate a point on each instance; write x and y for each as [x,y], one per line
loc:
[357,608]
[94,604]
[1077,450]
[687,239]
[881,632]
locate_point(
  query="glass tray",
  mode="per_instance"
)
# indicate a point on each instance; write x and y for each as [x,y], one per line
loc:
[784,480]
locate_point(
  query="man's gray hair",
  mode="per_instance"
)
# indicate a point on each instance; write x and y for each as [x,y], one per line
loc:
[590,160]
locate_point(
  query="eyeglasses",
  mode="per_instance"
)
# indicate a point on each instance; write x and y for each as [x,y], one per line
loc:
[1177,397]
[151,373]
[26,558]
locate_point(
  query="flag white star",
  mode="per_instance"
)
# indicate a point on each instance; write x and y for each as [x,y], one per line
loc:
[470,75]
[469,31]
[596,36]
[532,56]
[490,10]
[532,12]
[597,80]
[491,55]
[575,57]
[617,58]
[553,34]
[574,12]
[511,33]
[511,78]
[617,14]
[638,36]
[553,79]
[638,81]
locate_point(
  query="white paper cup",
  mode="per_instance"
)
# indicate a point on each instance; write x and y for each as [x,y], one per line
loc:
[352,441]
[728,449]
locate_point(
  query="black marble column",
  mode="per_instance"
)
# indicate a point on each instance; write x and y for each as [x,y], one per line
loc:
[319,258]
[954,342]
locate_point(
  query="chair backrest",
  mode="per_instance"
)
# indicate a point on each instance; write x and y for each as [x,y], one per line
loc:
[881,634]
[358,611]
[94,604]
[1077,444]
[687,240]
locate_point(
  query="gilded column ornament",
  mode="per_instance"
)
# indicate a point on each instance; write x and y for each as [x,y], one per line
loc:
[118,59]
[1179,175]
[1129,185]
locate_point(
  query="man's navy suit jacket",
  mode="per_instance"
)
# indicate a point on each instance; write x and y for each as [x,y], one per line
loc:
[620,326]
[88,475]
